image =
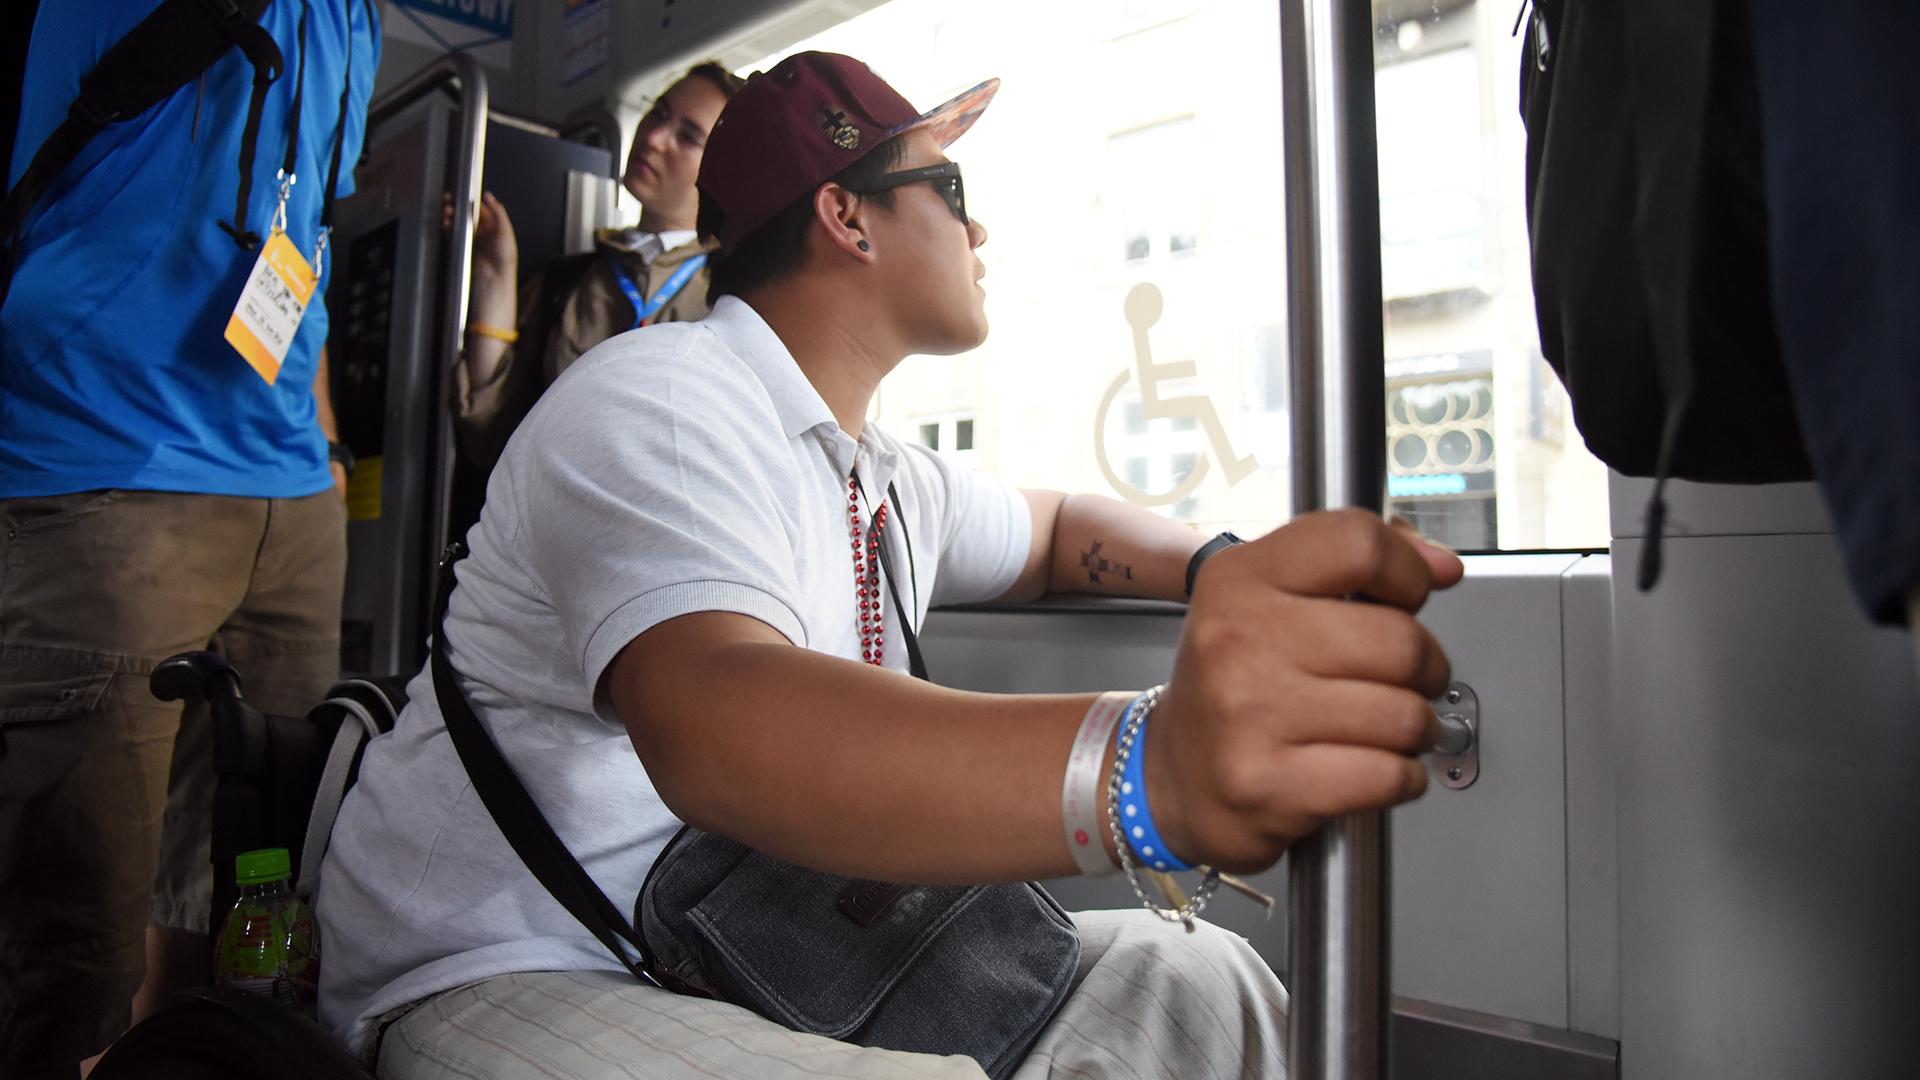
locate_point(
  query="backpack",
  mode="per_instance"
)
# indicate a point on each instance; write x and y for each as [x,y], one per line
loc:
[219,1034]
[281,780]
[1648,220]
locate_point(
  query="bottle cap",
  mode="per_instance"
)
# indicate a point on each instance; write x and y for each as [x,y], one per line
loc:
[258,867]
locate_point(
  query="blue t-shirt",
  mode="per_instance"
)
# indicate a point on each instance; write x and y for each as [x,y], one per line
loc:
[114,366]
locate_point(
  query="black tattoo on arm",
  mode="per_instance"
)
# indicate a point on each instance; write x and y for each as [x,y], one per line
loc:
[1097,564]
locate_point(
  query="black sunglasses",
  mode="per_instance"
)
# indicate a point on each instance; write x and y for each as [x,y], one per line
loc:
[945,178]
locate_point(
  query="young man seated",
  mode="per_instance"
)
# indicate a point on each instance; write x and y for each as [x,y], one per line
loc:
[675,611]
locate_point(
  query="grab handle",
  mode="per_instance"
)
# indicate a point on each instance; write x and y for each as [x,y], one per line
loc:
[1338,910]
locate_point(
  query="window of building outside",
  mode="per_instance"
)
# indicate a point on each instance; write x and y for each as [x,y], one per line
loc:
[1129,177]
[949,433]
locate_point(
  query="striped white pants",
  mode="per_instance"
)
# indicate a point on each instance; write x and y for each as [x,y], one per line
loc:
[1150,1000]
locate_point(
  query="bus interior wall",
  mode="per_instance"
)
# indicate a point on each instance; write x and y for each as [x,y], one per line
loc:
[1689,849]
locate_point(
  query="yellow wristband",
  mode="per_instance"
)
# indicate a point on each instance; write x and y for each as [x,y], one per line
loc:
[494,332]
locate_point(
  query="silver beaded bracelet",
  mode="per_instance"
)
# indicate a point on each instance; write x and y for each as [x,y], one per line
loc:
[1185,909]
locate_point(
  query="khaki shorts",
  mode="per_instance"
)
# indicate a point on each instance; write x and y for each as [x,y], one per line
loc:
[105,792]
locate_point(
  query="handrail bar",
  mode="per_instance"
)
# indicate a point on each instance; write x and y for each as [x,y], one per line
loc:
[1338,910]
[460,74]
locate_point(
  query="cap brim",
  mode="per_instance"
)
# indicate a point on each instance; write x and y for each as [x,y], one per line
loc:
[950,121]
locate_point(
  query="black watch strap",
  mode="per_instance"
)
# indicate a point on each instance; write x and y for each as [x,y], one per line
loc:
[1207,551]
[341,453]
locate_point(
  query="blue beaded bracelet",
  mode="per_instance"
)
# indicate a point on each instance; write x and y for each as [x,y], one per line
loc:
[1135,819]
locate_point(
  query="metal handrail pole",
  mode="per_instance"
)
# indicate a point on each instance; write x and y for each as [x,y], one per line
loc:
[461,75]
[448,71]
[1338,878]
[471,150]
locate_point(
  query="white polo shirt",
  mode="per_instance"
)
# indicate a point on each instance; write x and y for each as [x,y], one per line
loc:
[679,468]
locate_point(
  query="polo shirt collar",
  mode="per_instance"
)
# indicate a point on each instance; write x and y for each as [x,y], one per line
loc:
[800,407]
[881,462]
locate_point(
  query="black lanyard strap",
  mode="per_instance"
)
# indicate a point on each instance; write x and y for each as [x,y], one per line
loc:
[340,136]
[915,663]
[250,137]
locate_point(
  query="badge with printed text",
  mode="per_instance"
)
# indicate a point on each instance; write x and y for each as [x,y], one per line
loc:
[268,314]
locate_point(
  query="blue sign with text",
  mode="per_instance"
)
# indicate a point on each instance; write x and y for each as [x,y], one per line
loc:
[494,17]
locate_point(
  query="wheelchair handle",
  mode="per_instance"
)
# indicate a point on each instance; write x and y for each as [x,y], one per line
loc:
[194,676]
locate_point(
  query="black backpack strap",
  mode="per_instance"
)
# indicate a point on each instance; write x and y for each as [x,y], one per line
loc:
[16,32]
[267,66]
[514,810]
[164,52]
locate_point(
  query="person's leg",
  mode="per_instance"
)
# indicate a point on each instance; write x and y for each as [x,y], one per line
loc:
[95,588]
[286,632]
[595,1025]
[1150,1001]
[284,639]
[176,960]
[1155,1001]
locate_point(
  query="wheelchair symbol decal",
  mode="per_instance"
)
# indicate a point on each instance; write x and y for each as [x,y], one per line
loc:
[1143,307]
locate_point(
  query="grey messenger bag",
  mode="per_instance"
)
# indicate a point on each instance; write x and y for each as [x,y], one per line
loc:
[949,969]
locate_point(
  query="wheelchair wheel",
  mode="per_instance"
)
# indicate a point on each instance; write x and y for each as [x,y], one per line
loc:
[219,1034]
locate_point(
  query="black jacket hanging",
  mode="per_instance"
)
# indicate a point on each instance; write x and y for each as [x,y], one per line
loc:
[1647,210]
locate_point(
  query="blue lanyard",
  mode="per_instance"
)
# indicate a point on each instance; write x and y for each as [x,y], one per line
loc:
[644,309]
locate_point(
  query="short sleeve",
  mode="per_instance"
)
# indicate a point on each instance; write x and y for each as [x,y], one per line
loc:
[984,524]
[648,485]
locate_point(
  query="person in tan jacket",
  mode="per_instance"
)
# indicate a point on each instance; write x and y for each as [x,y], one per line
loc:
[519,339]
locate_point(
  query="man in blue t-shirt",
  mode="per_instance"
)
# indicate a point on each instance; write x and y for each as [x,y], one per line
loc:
[157,494]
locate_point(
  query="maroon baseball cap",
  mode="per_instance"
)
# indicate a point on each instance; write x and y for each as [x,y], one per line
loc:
[790,129]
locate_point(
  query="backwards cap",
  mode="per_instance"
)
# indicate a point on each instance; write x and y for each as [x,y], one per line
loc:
[791,129]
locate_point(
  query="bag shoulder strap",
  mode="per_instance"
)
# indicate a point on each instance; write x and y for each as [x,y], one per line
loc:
[514,810]
[163,52]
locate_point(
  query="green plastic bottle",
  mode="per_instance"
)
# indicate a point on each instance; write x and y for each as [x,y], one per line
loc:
[269,945]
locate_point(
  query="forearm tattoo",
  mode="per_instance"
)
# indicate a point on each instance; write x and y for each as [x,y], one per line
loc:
[1097,564]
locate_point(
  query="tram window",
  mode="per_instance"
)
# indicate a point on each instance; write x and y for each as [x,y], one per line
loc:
[1142,146]
[1142,167]
[1478,453]
[1126,16]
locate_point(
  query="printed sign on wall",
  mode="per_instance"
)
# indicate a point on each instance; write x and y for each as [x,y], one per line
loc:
[589,24]
[483,28]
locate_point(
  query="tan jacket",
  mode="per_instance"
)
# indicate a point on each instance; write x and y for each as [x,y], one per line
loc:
[570,306]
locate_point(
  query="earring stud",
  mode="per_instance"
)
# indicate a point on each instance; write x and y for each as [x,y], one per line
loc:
[863,245]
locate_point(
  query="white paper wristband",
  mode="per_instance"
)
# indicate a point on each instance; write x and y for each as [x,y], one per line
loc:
[1081,795]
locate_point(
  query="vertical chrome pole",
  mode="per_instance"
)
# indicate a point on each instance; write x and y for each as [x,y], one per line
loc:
[469,153]
[1337,937]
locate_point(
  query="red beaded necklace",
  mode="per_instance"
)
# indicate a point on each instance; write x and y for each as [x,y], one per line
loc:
[866,574]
